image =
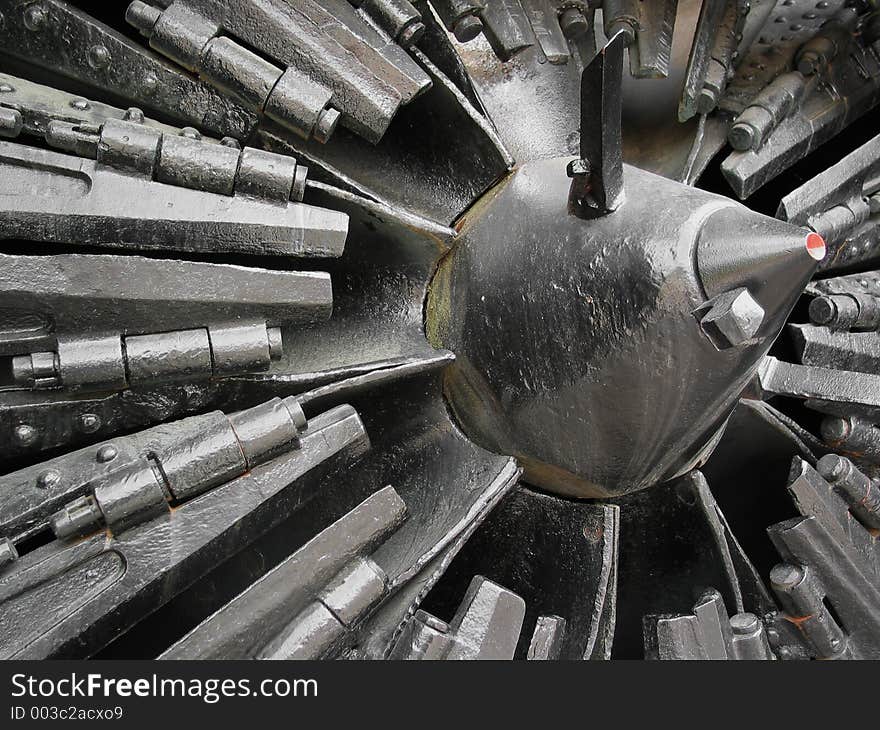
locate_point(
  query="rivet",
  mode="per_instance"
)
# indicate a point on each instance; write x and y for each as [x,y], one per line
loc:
[190,133]
[48,479]
[99,57]
[35,17]
[25,434]
[133,114]
[6,88]
[80,103]
[106,453]
[89,422]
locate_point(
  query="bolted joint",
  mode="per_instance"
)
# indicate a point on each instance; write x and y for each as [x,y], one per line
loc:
[730,319]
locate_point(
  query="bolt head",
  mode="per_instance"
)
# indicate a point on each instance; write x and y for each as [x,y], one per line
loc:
[744,624]
[411,34]
[731,319]
[467,28]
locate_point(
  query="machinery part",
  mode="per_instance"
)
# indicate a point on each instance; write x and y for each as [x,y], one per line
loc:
[60,38]
[303,608]
[362,89]
[854,76]
[130,479]
[647,32]
[169,320]
[711,61]
[826,389]
[779,99]
[733,248]
[708,633]
[853,312]
[398,18]
[135,360]
[85,209]
[183,160]
[803,602]
[837,204]
[546,643]
[852,435]
[88,591]
[141,490]
[486,626]
[830,561]
[597,177]
[185,437]
[192,41]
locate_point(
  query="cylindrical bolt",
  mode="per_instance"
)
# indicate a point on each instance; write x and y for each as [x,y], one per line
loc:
[853,435]
[803,603]
[860,493]
[623,26]
[859,312]
[10,122]
[749,638]
[80,517]
[276,344]
[326,125]
[142,16]
[411,34]
[775,102]
[467,28]
[573,23]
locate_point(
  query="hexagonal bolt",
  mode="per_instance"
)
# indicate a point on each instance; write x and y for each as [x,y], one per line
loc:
[731,319]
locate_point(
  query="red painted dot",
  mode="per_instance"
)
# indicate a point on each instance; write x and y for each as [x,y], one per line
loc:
[816,246]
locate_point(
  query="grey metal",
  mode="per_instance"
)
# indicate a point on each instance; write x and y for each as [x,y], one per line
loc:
[81,203]
[706,634]
[597,184]
[280,616]
[836,204]
[546,643]
[548,400]
[829,555]
[117,574]
[486,626]
[362,90]
[59,37]
[211,362]
[854,76]
[827,390]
